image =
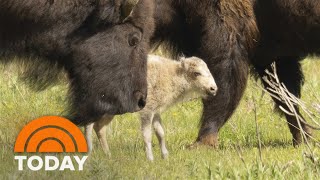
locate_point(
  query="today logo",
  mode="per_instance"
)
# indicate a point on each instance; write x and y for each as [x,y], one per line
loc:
[50,134]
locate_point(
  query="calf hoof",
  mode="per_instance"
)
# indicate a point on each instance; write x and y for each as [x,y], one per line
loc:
[107,153]
[150,158]
[149,155]
[165,155]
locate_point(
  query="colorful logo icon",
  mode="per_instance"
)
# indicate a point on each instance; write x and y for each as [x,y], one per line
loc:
[51,134]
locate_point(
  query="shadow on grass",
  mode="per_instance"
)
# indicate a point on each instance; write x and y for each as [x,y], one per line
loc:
[277,143]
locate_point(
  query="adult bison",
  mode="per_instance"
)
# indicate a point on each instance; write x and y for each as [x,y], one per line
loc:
[232,36]
[104,56]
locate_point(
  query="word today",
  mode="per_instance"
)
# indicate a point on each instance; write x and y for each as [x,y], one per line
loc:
[50,163]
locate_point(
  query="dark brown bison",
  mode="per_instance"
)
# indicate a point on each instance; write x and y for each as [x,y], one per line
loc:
[232,36]
[104,55]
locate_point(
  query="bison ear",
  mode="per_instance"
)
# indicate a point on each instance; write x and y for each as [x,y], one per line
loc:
[216,2]
[142,16]
[127,7]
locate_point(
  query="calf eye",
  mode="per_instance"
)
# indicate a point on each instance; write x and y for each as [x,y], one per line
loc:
[134,39]
[196,74]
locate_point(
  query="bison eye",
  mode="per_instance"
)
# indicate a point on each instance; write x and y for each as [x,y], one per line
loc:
[196,74]
[134,39]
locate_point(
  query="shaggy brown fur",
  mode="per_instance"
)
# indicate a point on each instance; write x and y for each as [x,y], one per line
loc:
[104,56]
[231,36]
[290,30]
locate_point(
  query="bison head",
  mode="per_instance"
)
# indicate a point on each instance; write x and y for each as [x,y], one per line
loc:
[109,68]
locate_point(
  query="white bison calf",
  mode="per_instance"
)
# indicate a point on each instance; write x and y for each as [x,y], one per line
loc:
[169,82]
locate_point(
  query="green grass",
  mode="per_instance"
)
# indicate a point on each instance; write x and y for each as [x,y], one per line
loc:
[236,158]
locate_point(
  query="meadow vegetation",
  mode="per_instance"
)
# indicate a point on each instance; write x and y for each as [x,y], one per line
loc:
[238,156]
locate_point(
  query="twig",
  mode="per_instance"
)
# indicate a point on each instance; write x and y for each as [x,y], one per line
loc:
[279,91]
[257,129]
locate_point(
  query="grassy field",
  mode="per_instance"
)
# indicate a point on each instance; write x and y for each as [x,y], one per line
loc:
[237,157]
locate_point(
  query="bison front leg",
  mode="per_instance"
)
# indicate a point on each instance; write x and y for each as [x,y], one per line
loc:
[231,76]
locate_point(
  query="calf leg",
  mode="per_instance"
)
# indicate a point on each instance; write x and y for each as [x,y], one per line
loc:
[157,125]
[290,73]
[88,134]
[100,127]
[146,128]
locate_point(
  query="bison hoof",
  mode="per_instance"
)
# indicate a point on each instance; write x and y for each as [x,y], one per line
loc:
[298,138]
[206,141]
[198,144]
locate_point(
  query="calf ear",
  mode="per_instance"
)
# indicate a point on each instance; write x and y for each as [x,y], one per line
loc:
[184,63]
[182,58]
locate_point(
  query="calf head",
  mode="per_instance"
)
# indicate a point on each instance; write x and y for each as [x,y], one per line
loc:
[198,75]
[109,68]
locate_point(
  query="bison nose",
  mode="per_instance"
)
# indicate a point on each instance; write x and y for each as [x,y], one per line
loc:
[213,90]
[141,100]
